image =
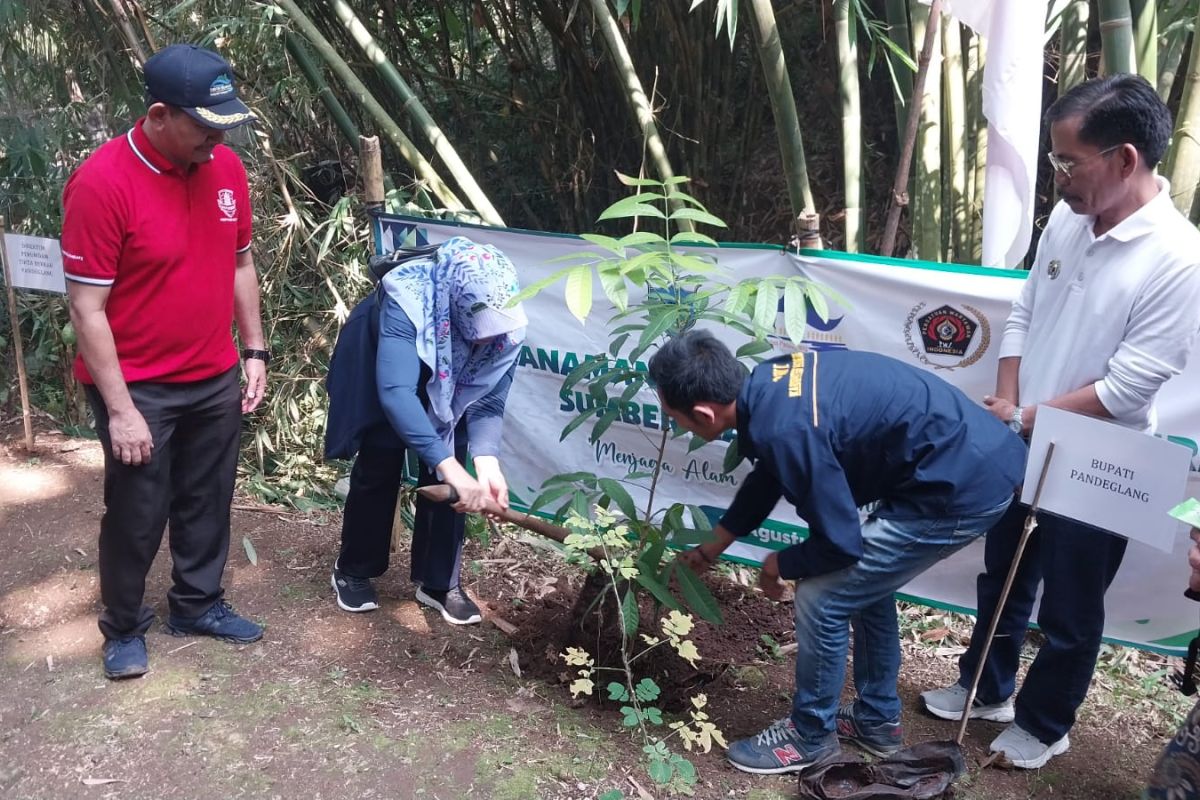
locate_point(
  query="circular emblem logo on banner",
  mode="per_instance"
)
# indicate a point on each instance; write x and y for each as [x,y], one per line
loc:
[947,337]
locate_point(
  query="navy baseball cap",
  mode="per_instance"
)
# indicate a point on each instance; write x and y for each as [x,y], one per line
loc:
[198,82]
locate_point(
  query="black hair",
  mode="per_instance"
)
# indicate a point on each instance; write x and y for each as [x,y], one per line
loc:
[1118,109]
[694,367]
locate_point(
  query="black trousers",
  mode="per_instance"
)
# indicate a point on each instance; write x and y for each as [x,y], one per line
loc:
[375,481]
[1075,564]
[188,482]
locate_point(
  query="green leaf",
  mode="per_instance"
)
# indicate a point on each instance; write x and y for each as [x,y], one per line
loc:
[651,558]
[658,325]
[618,692]
[684,197]
[753,348]
[695,443]
[587,368]
[607,242]
[550,495]
[579,292]
[606,421]
[647,690]
[673,519]
[766,306]
[629,613]
[653,716]
[737,297]
[686,537]
[532,289]
[629,180]
[251,554]
[631,716]
[795,311]
[700,519]
[614,347]
[696,215]
[620,496]
[570,477]
[732,457]
[697,596]
[818,302]
[658,590]
[640,238]
[613,284]
[660,771]
[583,417]
[693,237]
[685,768]
[630,207]
[612,794]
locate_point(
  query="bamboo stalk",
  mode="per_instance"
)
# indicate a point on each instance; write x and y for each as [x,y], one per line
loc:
[928,238]
[1116,36]
[977,144]
[127,32]
[407,149]
[635,94]
[1072,70]
[908,146]
[1171,58]
[901,35]
[1145,37]
[783,106]
[315,79]
[422,118]
[1183,160]
[18,350]
[955,134]
[371,162]
[843,21]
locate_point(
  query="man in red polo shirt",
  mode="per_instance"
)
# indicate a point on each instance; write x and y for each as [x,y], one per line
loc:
[156,246]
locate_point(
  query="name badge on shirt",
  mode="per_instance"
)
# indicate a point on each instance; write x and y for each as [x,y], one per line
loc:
[1053,268]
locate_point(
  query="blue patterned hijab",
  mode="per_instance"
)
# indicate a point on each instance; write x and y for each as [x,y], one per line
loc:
[456,300]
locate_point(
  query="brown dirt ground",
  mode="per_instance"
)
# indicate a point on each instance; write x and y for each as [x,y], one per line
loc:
[396,704]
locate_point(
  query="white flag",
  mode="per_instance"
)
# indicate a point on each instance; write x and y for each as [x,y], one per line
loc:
[1012,90]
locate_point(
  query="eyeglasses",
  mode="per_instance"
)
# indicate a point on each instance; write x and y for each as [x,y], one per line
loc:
[1065,165]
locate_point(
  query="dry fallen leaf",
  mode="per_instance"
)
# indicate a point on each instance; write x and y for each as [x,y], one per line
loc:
[514,661]
[100,781]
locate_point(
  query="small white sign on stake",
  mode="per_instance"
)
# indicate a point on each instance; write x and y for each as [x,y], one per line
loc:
[35,263]
[1108,476]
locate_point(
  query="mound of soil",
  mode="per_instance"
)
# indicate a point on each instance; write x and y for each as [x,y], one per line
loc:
[576,616]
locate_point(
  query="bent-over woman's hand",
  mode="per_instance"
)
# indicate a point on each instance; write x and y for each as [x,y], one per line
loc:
[472,496]
[487,472]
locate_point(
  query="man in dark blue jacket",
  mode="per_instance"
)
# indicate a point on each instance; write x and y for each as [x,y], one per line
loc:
[833,432]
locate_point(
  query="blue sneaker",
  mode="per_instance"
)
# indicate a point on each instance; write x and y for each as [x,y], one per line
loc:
[879,740]
[779,749]
[219,622]
[125,657]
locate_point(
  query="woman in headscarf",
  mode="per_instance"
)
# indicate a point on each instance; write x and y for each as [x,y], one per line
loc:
[423,365]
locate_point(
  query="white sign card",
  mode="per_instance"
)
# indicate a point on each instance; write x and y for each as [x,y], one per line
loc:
[35,263]
[1108,476]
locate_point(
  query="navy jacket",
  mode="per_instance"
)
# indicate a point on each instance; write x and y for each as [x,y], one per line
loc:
[832,431]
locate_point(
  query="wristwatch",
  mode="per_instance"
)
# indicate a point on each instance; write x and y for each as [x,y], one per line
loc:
[262,355]
[1017,422]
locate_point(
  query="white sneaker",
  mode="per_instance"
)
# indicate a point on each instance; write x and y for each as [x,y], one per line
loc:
[1025,750]
[948,703]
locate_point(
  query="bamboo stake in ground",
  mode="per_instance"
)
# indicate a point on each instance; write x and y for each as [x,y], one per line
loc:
[899,193]
[1030,524]
[371,161]
[18,351]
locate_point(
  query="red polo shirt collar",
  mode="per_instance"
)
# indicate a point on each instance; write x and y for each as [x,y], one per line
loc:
[139,142]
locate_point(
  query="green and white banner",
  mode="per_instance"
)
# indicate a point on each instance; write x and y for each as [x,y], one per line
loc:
[943,318]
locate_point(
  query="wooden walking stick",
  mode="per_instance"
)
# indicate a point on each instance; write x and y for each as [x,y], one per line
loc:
[1030,524]
[18,353]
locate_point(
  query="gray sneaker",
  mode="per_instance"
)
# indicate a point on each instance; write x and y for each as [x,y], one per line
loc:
[1025,750]
[948,703]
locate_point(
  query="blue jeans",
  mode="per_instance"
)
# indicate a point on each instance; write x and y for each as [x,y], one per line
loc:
[894,552]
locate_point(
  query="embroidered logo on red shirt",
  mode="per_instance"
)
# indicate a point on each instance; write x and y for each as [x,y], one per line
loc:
[226,203]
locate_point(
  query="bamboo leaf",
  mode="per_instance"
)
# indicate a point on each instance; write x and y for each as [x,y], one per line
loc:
[697,596]
[579,292]
[620,496]
[795,311]
[629,612]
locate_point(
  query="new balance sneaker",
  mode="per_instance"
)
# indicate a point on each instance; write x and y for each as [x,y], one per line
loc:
[125,657]
[948,703]
[353,594]
[456,607]
[779,749]
[219,622]
[880,740]
[1025,750]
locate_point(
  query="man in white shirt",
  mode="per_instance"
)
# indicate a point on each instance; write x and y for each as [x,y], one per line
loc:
[1110,311]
